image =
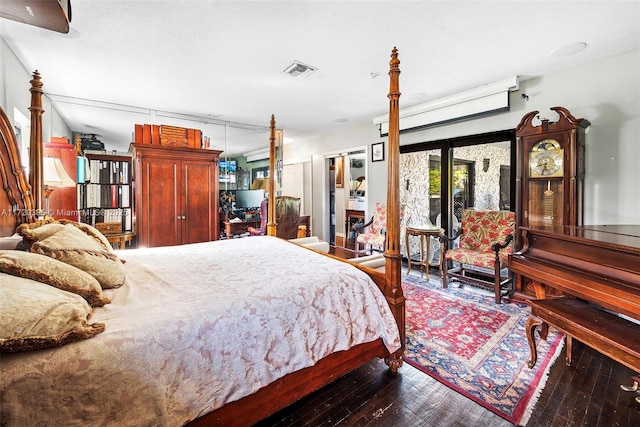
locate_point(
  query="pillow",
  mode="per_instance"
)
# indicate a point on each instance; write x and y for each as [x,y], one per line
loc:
[39,230]
[36,316]
[44,228]
[79,245]
[91,231]
[10,242]
[53,272]
[72,246]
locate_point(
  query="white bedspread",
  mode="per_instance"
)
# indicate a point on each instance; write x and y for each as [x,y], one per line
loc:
[194,327]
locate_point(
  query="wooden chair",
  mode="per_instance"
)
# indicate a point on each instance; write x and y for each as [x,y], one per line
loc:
[486,239]
[376,236]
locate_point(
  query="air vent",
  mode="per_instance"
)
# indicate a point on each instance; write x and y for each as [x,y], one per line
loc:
[298,69]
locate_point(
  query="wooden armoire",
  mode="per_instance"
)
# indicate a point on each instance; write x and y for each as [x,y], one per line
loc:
[63,202]
[176,195]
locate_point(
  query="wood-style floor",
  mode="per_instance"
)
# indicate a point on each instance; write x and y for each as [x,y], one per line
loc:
[585,394]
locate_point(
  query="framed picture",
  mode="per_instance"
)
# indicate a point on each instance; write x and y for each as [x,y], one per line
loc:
[377,152]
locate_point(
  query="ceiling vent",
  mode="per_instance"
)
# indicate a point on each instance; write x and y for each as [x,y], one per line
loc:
[298,69]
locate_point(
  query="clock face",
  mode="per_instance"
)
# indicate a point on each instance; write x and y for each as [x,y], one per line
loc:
[546,159]
[546,164]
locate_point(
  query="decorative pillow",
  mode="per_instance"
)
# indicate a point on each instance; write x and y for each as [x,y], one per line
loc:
[39,230]
[10,242]
[79,245]
[91,231]
[53,272]
[36,316]
[44,228]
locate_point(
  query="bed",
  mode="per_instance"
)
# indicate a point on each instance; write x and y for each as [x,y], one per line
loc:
[195,334]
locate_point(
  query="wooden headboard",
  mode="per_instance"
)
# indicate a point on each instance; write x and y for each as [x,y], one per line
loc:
[16,202]
[21,200]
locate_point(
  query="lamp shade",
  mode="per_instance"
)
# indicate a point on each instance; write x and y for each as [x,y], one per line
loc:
[54,174]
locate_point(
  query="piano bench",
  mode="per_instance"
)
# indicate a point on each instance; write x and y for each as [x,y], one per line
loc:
[611,335]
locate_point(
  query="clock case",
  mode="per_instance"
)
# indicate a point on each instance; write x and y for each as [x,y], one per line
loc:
[555,200]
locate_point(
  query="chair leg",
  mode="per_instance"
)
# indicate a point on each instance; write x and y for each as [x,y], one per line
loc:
[443,272]
[497,279]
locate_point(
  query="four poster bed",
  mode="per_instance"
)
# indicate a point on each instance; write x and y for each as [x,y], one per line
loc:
[188,334]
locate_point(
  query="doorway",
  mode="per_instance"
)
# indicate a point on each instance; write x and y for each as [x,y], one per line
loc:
[347,195]
[442,178]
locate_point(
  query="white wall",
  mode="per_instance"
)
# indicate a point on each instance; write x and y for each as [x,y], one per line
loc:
[14,92]
[607,93]
[354,138]
[293,182]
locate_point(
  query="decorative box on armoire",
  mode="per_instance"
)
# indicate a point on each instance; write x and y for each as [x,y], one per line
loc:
[176,194]
[549,174]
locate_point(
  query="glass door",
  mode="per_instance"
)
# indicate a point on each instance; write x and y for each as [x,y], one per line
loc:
[420,199]
[440,179]
[481,177]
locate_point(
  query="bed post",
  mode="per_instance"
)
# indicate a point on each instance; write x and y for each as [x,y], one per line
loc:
[271,217]
[36,149]
[393,265]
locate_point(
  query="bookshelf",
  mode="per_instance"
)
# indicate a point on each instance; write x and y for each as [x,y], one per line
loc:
[106,193]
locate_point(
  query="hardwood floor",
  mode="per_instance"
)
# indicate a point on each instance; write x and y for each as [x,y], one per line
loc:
[587,394]
[342,252]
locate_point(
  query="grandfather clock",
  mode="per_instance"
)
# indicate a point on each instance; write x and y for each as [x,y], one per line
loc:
[550,170]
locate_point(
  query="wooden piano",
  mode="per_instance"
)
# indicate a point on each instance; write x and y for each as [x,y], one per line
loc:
[585,281]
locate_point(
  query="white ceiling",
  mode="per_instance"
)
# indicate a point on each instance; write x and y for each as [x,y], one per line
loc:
[127,62]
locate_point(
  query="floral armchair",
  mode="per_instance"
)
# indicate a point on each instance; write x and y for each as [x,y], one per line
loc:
[486,239]
[376,235]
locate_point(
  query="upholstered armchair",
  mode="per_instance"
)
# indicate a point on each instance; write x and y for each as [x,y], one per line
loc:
[486,239]
[287,217]
[373,234]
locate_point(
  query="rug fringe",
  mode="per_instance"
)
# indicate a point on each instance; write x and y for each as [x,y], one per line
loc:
[543,381]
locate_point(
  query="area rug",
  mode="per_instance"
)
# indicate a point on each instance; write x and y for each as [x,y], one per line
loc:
[479,348]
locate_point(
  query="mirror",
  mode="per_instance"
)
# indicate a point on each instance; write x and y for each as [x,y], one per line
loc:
[347,202]
[357,181]
[357,174]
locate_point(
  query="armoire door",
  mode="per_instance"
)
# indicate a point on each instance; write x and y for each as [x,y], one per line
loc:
[176,195]
[159,222]
[199,223]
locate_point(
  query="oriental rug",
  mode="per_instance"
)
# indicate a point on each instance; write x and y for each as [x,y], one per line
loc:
[478,348]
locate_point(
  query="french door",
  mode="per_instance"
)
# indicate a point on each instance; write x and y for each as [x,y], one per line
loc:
[442,178]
